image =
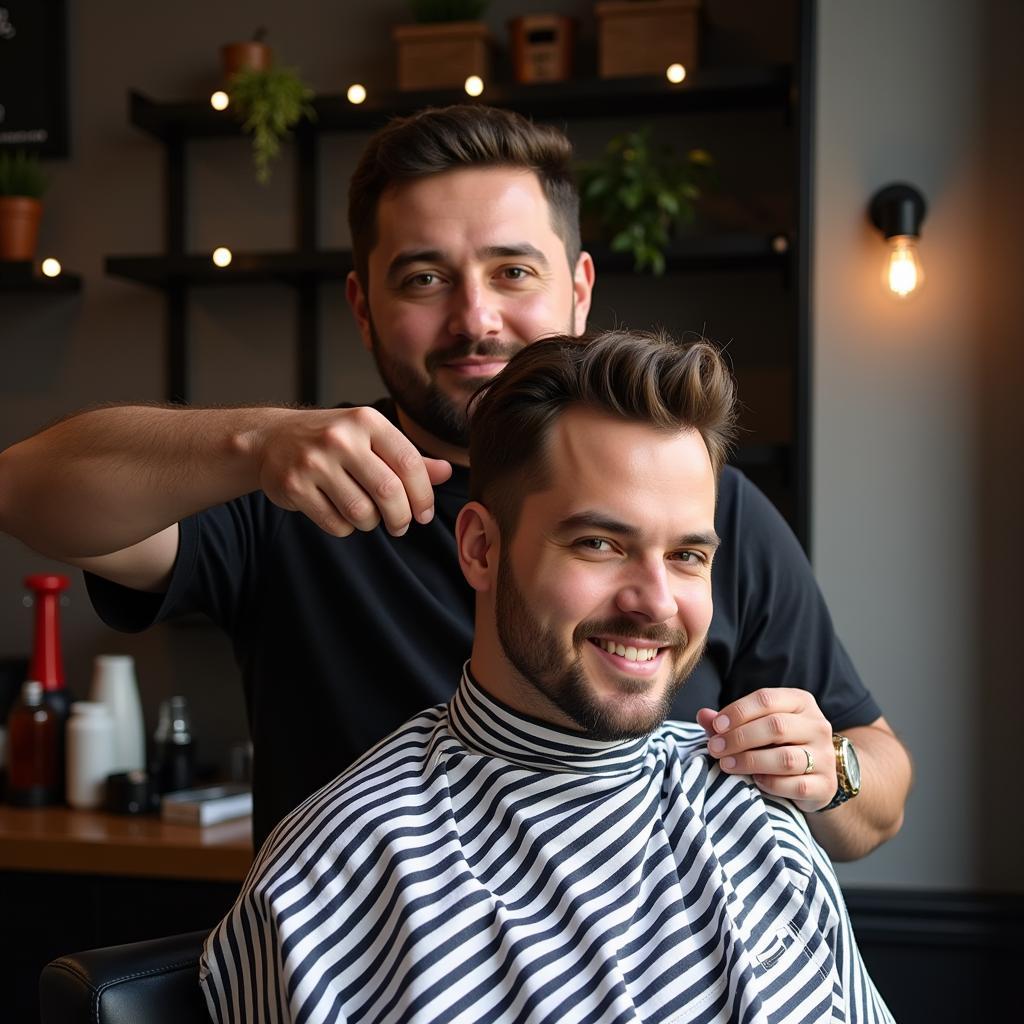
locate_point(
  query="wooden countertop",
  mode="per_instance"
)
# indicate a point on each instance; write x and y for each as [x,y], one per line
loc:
[91,842]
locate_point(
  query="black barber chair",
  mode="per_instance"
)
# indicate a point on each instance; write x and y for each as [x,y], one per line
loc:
[156,982]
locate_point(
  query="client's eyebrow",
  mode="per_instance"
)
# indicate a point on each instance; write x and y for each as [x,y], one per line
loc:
[607,524]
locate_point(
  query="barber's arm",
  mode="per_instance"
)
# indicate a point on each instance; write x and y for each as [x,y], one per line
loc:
[105,489]
[779,736]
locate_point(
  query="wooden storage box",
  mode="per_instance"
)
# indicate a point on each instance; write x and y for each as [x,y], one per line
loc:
[642,37]
[443,55]
[542,47]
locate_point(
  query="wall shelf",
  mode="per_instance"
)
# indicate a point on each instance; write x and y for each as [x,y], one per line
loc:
[12,280]
[776,249]
[712,90]
[700,252]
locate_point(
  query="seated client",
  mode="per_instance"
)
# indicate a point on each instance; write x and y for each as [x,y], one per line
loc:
[545,847]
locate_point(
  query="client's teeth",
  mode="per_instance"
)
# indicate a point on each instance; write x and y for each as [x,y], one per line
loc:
[629,653]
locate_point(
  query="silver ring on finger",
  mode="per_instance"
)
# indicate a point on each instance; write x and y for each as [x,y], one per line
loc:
[809,770]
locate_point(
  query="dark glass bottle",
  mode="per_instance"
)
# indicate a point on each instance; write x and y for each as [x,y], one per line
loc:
[174,753]
[33,750]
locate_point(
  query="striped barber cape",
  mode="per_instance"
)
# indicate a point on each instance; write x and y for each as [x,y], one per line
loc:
[478,865]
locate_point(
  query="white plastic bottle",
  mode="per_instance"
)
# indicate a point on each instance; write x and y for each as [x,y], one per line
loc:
[90,753]
[113,684]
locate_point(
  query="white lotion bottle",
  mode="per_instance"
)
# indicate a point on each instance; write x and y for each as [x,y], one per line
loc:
[90,754]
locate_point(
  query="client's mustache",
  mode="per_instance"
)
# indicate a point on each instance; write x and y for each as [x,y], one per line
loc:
[658,634]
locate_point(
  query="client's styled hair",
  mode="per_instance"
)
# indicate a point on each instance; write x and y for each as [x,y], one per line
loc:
[644,377]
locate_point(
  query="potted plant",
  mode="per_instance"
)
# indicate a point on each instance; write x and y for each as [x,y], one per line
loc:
[447,44]
[22,186]
[639,193]
[270,101]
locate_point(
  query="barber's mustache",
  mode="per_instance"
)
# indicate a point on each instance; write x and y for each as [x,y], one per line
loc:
[659,634]
[490,348]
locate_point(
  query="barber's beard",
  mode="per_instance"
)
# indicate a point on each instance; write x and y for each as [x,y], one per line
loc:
[427,405]
[437,412]
[539,656]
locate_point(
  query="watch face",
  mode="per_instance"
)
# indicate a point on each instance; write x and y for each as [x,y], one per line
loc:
[852,765]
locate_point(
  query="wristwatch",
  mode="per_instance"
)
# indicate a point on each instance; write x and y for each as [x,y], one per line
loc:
[847,772]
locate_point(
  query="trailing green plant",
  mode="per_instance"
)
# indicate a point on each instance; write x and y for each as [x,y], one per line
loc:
[428,11]
[21,174]
[270,103]
[640,193]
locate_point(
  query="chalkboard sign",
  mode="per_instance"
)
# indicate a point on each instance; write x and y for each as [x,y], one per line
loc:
[33,76]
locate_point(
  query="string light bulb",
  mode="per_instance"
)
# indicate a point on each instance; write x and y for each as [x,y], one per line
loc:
[675,73]
[221,256]
[50,267]
[356,93]
[898,212]
[474,85]
[219,100]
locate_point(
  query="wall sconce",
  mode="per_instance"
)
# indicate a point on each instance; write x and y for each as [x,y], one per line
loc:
[897,211]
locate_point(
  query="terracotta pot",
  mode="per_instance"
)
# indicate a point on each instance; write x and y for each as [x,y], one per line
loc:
[247,56]
[19,227]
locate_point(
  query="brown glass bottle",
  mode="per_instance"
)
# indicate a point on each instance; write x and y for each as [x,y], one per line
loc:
[33,750]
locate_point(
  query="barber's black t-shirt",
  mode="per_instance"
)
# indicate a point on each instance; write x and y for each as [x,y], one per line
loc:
[340,640]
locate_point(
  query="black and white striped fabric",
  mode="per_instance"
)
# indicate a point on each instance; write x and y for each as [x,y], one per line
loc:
[481,866]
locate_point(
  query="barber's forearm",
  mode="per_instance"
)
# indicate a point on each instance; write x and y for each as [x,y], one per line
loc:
[106,479]
[857,827]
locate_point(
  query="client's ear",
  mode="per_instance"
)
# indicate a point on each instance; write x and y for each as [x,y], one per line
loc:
[477,539]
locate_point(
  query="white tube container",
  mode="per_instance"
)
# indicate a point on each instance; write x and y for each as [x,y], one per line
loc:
[113,684]
[90,753]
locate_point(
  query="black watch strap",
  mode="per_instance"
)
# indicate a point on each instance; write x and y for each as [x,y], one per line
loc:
[840,798]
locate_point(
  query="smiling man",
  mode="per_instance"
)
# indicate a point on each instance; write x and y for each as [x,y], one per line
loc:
[545,848]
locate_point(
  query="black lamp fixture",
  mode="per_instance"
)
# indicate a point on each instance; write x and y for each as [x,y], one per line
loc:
[897,211]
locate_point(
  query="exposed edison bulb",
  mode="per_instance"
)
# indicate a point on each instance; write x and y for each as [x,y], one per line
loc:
[221,256]
[675,73]
[356,93]
[903,271]
[474,85]
[50,267]
[219,100]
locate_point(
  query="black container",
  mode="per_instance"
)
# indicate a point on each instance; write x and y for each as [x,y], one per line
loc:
[174,756]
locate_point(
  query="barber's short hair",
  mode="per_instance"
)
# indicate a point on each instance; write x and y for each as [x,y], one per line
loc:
[642,377]
[451,138]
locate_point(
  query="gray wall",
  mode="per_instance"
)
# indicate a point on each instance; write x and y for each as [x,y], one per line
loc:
[917,499]
[914,407]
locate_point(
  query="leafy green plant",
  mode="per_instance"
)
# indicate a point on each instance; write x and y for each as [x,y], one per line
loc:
[271,103]
[640,193]
[428,11]
[21,174]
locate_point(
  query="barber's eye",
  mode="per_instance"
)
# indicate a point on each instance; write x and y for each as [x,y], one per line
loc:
[515,273]
[423,280]
[594,544]
[690,557]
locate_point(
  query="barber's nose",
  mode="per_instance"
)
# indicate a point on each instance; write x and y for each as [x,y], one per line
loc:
[647,593]
[475,312]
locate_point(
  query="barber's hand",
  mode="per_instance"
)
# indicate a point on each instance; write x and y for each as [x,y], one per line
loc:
[347,469]
[768,735]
